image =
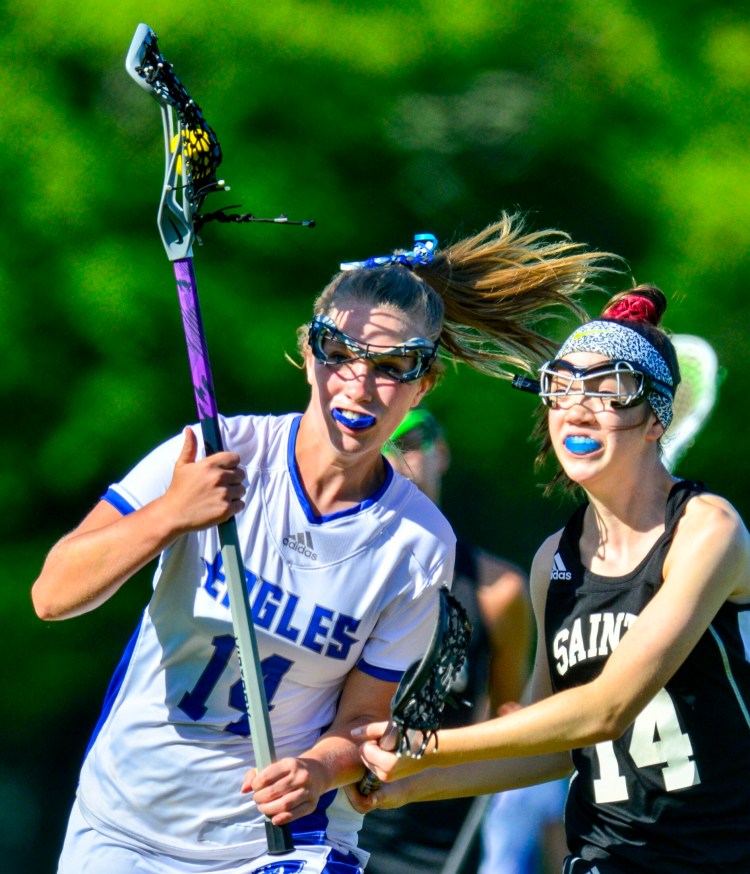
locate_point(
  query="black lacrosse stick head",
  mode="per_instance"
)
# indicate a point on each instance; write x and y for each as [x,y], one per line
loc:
[192,150]
[199,144]
[417,706]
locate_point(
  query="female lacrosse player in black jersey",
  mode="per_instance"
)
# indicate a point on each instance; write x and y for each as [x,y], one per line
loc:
[643,606]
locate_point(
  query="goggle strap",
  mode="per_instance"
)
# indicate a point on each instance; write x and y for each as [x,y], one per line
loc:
[524,383]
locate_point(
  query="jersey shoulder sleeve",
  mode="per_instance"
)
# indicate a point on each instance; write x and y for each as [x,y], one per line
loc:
[151,476]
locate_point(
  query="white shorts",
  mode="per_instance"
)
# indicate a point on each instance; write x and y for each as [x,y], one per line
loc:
[87,851]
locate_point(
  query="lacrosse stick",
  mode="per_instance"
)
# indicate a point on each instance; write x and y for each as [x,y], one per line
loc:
[420,697]
[193,156]
[695,396]
[467,836]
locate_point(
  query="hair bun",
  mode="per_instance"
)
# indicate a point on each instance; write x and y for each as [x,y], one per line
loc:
[645,303]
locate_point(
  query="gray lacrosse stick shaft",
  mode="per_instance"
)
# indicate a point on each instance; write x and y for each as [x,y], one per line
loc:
[278,837]
[466,836]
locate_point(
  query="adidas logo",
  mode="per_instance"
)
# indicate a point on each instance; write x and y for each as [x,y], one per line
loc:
[301,543]
[559,571]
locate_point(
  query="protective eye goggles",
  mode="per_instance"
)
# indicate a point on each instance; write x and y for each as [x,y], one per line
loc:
[617,384]
[404,363]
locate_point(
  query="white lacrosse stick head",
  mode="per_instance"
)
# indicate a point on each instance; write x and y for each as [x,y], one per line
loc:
[695,396]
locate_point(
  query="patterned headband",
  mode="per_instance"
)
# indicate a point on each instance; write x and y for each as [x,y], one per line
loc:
[621,343]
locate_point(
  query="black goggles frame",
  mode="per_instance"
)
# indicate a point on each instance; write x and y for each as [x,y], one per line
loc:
[323,328]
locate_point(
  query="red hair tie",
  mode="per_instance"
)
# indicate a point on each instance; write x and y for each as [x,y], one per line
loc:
[634,308]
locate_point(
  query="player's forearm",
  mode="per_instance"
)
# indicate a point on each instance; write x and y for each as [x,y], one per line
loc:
[511,736]
[364,699]
[88,566]
[478,778]
[577,717]
[557,724]
[338,758]
[292,787]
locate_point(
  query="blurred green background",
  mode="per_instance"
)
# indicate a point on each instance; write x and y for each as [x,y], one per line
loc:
[624,123]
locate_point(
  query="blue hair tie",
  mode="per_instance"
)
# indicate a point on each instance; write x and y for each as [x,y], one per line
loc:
[422,253]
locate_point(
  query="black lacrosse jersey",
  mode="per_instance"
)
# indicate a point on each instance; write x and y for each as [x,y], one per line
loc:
[672,795]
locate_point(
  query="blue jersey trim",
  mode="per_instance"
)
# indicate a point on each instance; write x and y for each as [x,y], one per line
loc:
[311,829]
[115,684]
[379,673]
[312,516]
[117,501]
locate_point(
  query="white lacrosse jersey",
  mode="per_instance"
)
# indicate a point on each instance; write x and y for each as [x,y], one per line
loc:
[355,588]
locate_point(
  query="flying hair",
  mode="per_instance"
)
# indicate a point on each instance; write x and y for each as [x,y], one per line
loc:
[498,285]
[484,296]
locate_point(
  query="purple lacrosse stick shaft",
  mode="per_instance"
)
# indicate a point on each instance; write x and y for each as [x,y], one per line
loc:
[200,368]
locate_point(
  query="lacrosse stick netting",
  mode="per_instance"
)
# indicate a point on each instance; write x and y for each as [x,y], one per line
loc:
[417,707]
[695,396]
[192,158]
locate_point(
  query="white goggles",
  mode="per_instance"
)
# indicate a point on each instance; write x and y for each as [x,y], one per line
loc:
[616,384]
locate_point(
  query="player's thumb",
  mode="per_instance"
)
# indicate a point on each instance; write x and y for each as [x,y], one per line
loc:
[371,731]
[189,449]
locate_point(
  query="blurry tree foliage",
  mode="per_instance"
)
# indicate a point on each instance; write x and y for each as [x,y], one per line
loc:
[624,123]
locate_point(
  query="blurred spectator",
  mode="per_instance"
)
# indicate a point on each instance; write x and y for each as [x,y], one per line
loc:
[417,838]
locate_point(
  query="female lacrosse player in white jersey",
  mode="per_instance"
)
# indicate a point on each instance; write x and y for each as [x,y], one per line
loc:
[643,607]
[343,560]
